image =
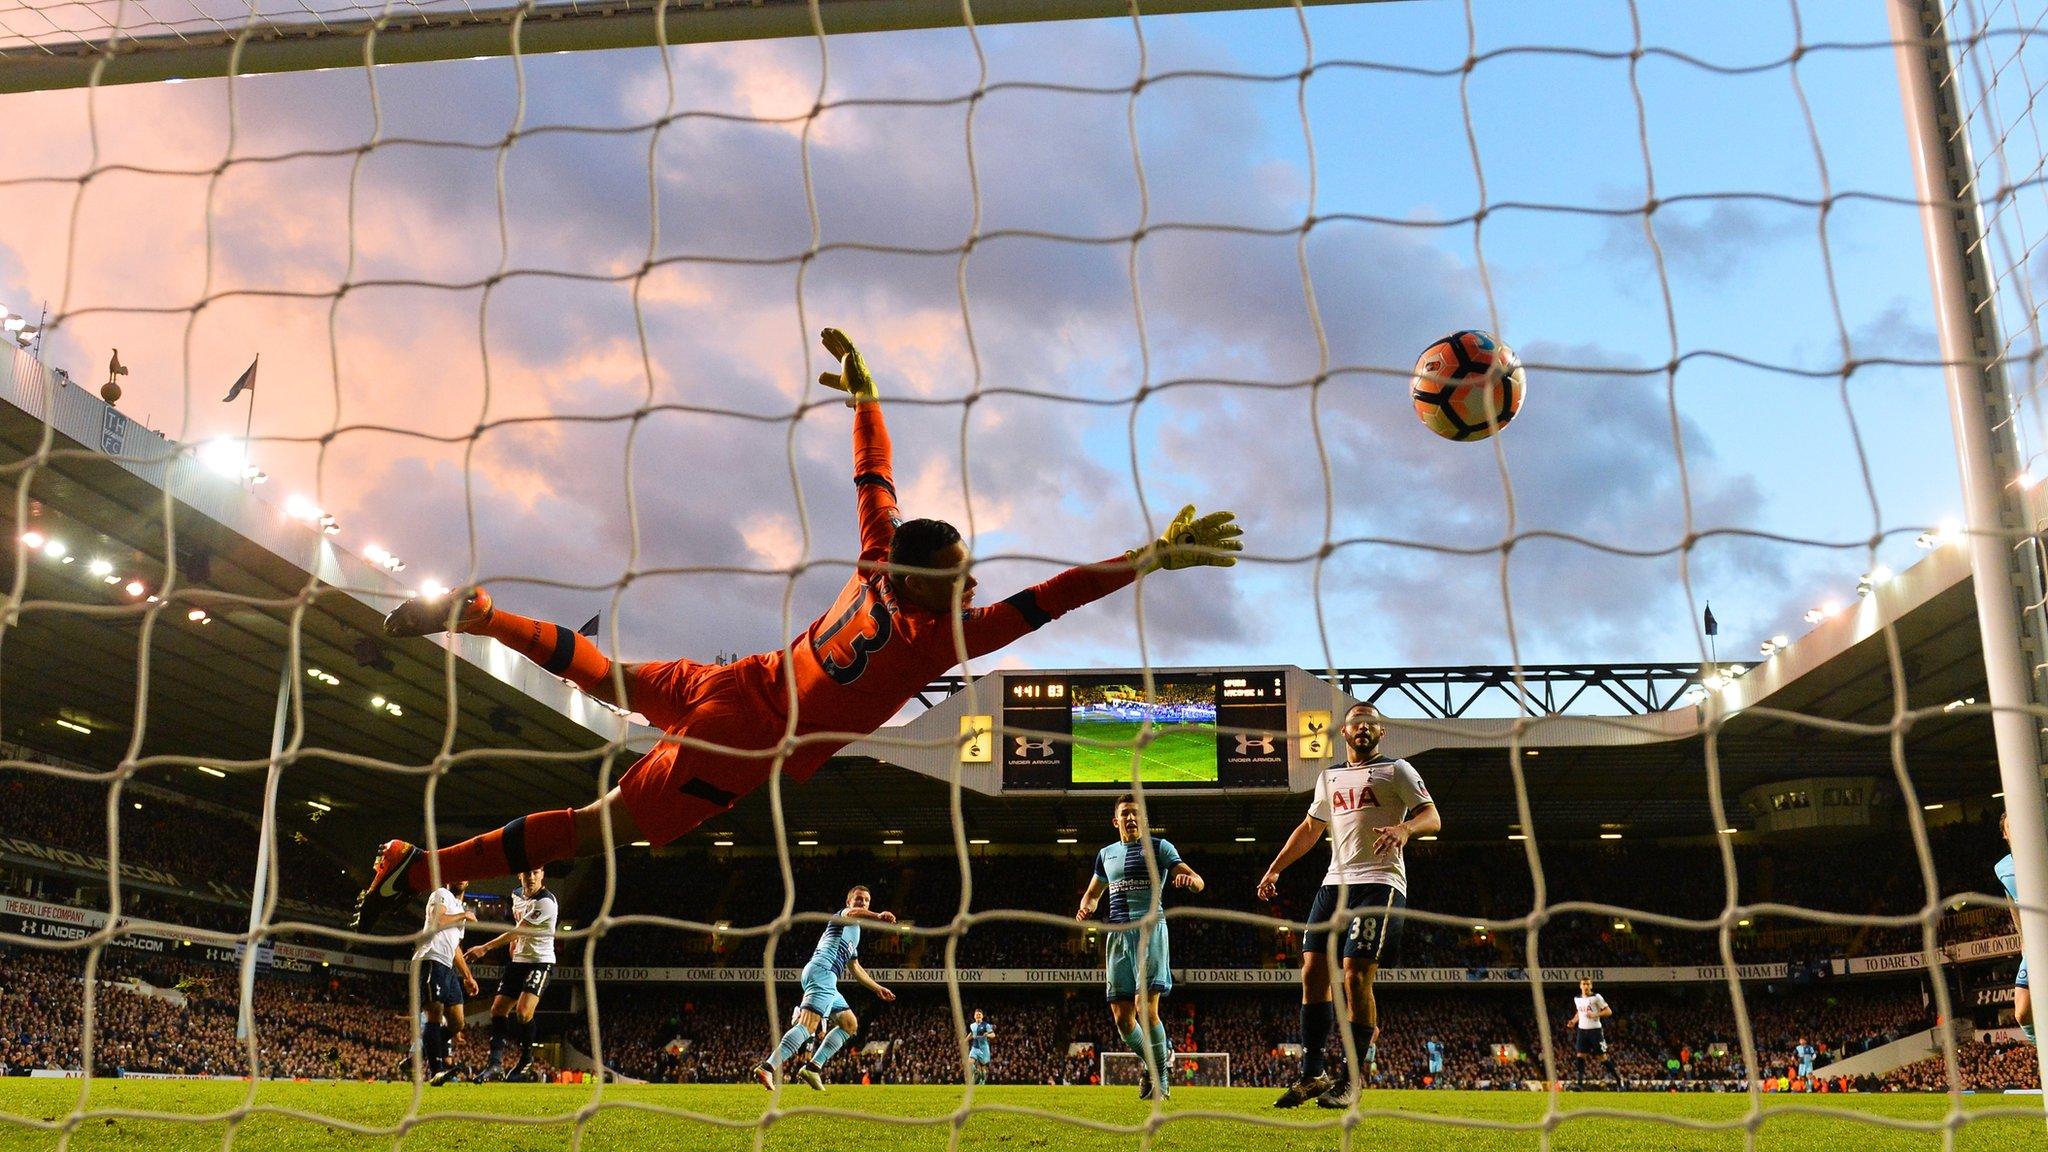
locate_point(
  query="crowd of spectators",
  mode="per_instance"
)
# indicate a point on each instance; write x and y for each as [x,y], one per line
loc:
[1664,1037]
[167,1015]
[162,835]
[1994,1065]
[1475,882]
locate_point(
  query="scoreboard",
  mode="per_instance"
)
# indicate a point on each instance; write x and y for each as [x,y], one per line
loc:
[1203,729]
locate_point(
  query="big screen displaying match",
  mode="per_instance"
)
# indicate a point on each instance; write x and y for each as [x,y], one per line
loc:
[1207,729]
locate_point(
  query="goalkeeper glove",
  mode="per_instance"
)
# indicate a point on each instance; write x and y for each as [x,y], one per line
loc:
[1189,541]
[852,377]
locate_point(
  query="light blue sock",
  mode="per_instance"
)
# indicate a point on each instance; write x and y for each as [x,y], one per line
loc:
[791,1041]
[1135,1041]
[1162,1050]
[2027,1030]
[834,1040]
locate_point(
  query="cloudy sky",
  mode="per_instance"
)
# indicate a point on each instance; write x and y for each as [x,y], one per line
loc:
[500,285]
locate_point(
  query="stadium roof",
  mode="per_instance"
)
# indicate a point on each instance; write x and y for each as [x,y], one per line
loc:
[74,652]
[72,659]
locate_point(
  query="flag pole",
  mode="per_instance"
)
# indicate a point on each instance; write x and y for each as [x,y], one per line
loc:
[248,427]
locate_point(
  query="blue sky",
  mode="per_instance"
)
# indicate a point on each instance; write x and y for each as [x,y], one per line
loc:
[1576,291]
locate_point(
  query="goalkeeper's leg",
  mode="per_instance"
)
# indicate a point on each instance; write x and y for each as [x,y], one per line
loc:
[559,650]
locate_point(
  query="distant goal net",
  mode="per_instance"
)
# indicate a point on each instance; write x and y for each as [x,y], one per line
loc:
[1186,1069]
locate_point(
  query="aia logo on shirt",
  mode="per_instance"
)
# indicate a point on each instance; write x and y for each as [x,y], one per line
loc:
[1353,799]
[859,626]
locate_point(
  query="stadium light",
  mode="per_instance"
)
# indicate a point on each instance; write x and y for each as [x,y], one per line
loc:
[2028,480]
[1610,835]
[1516,836]
[299,508]
[33,539]
[721,843]
[1431,836]
[196,615]
[134,588]
[1780,642]
[213,772]
[1742,923]
[1247,839]
[1962,703]
[81,729]
[55,550]
[225,457]
[893,843]
[1931,807]
[319,807]
[1066,840]
[100,567]
[807,843]
[138,805]
[432,589]
[381,556]
[642,844]
[1729,831]
[978,840]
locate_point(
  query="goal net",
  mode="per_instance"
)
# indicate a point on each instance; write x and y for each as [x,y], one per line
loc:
[530,296]
[1185,1070]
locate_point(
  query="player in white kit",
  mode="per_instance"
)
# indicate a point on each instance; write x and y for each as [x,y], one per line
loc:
[536,912]
[1589,1035]
[445,981]
[1371,805]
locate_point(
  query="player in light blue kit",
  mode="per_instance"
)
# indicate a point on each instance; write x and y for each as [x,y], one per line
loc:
[1433,1048]
[2009,878]
[1805,1053]
[978,1035]
[838,952]
[1121,872]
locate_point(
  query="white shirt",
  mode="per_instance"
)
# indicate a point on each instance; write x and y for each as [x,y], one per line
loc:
[1588,1009]
[442,945]
[537,916]
[1356,801]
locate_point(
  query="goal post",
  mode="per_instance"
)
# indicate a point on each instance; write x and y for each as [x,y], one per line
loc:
[203,47]
[2004,541]
[1189,1069]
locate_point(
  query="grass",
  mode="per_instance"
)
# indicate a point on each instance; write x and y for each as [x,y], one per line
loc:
[726,1118]
[1178,754]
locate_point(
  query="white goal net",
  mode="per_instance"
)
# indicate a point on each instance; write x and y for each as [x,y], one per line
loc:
[530,296]
[1185,1070]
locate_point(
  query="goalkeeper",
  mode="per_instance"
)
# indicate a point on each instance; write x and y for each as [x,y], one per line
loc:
[904,617]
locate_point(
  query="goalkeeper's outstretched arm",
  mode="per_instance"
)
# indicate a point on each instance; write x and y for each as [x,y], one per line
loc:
[1190,541]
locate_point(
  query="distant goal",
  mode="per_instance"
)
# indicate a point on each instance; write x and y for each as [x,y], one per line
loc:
[1189,1069]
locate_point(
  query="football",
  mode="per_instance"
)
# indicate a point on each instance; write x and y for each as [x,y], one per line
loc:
[1468,385]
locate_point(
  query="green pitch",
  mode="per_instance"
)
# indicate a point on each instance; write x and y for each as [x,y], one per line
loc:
[726,1118]
[1178,754]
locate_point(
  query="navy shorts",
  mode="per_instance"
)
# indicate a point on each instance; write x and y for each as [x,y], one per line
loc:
[1373,937]
[1590,1041]
[520,978]
[440,984]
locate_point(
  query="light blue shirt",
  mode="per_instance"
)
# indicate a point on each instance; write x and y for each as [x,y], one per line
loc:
[2008,876]
[1121,867]
[978,1034]
[838,947]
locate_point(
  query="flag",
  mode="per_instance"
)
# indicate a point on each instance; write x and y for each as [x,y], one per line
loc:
[246,382]
[115,367]
[1713,626]
[589,627]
